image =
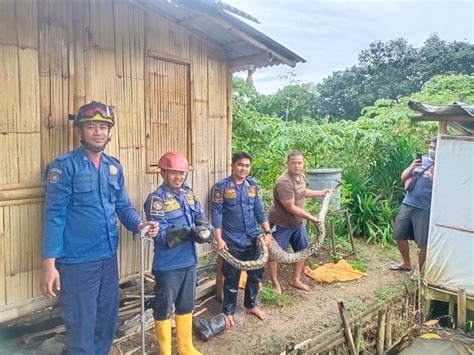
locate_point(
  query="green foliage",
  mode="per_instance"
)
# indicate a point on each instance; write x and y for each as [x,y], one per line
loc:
[372,151]
[386,70]
[293,102]
[269,296]
[358,265]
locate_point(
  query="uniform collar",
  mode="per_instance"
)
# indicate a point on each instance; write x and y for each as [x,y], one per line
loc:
[233,183]
[183,190]
[85,158]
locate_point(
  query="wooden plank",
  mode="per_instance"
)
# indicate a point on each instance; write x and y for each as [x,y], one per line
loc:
[102,76]
[178,41]
[346,327]
[37,237]
[129,40]
[27,23]
[28,120]
[8,28]
[9,88]
[29,150]
[22,308]
[157,29]
[8,158]
[3,286]
[102,24]
[24,193]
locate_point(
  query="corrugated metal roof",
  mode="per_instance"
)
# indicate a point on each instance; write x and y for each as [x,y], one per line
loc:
[459,115]
[244,45]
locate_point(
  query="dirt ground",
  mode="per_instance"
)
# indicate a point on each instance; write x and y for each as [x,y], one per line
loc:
[309,314]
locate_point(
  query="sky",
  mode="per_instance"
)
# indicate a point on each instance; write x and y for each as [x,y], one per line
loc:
[330,34]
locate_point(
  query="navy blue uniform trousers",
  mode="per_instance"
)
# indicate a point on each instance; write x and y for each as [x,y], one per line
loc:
[232,278]
[89,305]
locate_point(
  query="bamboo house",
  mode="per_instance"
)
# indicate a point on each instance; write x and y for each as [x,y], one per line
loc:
[166,68]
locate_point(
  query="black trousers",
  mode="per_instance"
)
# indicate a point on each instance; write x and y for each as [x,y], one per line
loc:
[232,278]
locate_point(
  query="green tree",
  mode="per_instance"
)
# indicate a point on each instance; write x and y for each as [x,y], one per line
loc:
[390,70]
[293,102]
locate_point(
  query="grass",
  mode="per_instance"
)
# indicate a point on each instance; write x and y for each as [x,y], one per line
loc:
[355,306]
[269,296]
[390,292]
[359,265]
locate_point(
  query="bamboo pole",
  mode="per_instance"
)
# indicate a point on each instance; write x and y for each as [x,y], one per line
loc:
[388,330]
[347,329]
[229,120]
[380,331]
[357,337]
[27,193]
[327,344]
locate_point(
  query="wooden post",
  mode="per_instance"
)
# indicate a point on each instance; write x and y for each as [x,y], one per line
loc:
[461,321]
[219,279]
[443,127]
[349,230]
[347,329]
[452,301]
[380,331]
[388,330]
[357,337]
[333,236]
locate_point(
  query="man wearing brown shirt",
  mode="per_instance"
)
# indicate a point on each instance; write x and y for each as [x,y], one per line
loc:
[287,214]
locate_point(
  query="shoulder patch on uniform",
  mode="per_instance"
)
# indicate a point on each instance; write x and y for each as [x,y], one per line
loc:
[157,207]
[54,175]
[113,169]
[217,194]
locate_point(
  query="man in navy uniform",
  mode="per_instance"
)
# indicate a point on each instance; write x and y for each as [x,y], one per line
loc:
[182,223]
[237,210]
[85,192]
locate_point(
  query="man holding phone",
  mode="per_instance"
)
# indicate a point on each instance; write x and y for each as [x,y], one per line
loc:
[412,221]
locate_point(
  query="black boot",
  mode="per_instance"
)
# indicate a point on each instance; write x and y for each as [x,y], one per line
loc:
[206,329]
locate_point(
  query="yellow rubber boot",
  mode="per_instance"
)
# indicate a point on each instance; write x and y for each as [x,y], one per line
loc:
[163,335]
[184,333]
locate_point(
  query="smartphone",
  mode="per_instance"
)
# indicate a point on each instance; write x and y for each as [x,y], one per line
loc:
[418,156]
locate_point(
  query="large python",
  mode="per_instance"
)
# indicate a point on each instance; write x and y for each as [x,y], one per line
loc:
[274,251]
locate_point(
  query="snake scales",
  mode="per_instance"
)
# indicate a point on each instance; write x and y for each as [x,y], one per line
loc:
[274,251]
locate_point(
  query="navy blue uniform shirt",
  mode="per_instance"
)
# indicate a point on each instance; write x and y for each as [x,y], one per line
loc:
[173,210]
[81,208]
[237,209]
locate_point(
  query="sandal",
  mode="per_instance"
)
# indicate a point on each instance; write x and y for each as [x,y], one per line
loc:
[399,268]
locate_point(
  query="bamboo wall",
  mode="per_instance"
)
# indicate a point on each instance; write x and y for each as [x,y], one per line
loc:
[169,90]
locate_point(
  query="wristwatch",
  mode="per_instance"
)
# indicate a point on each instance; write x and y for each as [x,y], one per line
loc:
[268,232]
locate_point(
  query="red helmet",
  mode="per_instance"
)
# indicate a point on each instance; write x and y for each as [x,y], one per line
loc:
[173,161]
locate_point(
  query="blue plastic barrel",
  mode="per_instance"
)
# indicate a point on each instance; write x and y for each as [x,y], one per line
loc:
[320,179]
